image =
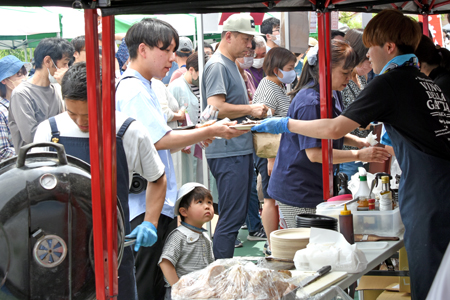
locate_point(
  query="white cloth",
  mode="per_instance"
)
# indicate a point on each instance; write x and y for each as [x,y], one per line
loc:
[440,288]
[169,105]
[191,167]
[141,154]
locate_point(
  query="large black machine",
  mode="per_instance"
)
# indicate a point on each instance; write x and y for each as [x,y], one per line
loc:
[46,236]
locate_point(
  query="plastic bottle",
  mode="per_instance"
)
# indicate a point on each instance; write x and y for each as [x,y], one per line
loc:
[385,195]
[346,225]
[343,184]
[371,204]
[363,190]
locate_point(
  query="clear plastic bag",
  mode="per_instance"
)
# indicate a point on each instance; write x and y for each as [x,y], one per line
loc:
[235,279]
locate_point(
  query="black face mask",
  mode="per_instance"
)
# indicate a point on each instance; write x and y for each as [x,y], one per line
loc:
[196,81]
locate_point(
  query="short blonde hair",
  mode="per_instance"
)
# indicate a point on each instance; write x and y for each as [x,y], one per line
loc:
[391,26]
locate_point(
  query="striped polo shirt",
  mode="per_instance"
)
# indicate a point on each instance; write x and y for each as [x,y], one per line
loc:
[187,250]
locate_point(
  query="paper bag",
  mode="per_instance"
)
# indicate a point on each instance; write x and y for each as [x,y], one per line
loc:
[266,144]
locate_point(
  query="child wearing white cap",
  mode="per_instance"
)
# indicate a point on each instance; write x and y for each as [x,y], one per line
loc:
[188,248]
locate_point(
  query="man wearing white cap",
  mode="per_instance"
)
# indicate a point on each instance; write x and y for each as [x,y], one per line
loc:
[231,162]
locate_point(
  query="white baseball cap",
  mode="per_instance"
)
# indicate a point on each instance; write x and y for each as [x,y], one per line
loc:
[183,191]
[241,23]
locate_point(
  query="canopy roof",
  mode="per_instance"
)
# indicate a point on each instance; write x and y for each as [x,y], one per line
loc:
[16,32]
[119,7]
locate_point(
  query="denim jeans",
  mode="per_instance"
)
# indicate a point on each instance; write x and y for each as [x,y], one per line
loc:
[253,220]
[350,168]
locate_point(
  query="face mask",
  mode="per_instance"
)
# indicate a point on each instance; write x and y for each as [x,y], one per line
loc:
[248,62]
[276,40]
[50,76]
[288,76]
[15,83]
[196,81]
[258,63]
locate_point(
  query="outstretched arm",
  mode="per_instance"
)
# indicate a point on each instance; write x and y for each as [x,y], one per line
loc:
[319,129]
[323,128]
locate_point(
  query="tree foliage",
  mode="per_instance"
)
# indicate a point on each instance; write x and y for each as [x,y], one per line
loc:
[17,53]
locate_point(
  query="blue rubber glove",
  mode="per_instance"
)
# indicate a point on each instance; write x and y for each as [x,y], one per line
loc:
[273,125]
[145,235]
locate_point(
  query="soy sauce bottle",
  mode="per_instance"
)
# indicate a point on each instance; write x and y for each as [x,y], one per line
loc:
[346,225]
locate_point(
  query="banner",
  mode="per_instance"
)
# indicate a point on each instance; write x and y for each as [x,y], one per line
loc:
[435,27]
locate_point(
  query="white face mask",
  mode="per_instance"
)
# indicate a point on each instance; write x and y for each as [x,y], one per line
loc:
[288,76]
[258,63]
[276,40]
[248,62]
[50,76]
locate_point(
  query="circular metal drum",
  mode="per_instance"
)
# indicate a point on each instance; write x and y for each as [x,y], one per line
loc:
[46,226]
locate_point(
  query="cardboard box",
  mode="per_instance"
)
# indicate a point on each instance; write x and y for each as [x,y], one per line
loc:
[387,295]
[405,283]
[373,286]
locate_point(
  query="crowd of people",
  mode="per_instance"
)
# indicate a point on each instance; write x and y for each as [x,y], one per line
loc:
[247,75]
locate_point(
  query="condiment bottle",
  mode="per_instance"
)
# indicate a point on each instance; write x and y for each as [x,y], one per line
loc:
[363,190]
[363,204]
[346,225]
[385,195]
[343,183]
[371,204]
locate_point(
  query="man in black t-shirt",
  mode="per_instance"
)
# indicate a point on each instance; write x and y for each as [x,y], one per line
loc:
[417,117]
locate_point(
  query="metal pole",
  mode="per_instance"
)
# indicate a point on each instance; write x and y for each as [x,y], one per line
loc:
[201,65]
[96,153]
[287,40]
[25,52]
[324,22]
[109,149]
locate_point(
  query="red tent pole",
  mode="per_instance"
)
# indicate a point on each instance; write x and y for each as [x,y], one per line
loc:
[96,153]
[109,148]
[425,24]
[324,35]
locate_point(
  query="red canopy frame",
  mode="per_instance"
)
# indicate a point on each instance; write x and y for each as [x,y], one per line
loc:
[102,144]
[102,140]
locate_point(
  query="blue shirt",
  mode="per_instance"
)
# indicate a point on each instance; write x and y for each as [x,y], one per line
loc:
[135,98]
[385,139]
[6,146]
[174,67]
[295,180]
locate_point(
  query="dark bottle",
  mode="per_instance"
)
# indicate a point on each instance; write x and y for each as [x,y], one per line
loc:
[343,184]
[346,225]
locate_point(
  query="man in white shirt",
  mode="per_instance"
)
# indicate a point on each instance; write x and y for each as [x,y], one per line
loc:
[135,154]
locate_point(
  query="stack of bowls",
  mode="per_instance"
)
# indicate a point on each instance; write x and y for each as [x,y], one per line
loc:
[311,220]
[285,242]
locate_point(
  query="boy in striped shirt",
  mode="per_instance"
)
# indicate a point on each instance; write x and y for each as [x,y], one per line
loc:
[188,248]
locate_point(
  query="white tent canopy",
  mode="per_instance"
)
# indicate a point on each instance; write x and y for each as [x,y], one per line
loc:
[23,26]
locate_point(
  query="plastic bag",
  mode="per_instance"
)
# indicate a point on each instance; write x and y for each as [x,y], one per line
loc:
[234,279]
[328,247]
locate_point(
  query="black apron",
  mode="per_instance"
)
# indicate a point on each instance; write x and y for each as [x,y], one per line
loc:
[79,147]
[425,210]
